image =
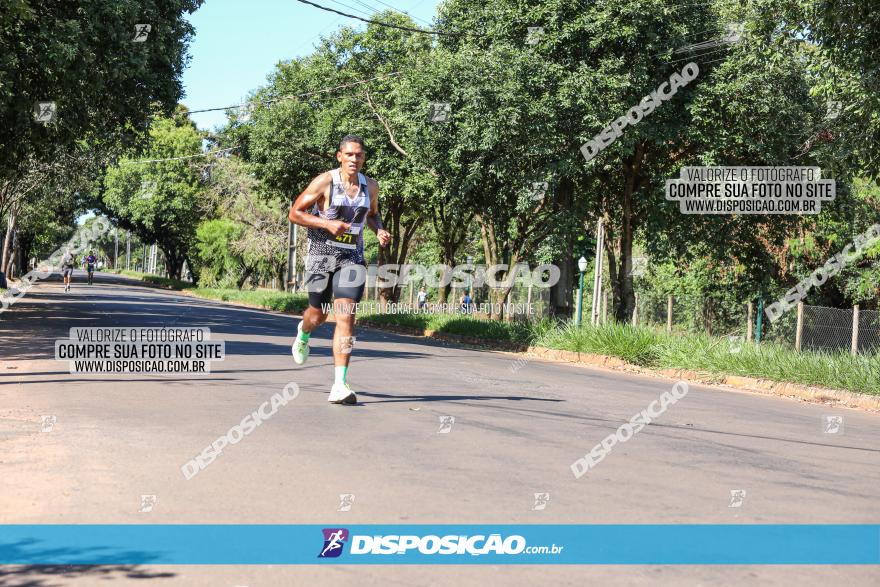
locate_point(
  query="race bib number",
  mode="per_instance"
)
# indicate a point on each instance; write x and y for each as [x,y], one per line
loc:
[347,240]
[343,241]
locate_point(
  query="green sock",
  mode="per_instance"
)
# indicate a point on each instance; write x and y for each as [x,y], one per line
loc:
[341,372]
[303,336]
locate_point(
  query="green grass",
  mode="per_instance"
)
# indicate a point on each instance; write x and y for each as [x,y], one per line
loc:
[154,279]
[454,324]
[271,300]
[658,350]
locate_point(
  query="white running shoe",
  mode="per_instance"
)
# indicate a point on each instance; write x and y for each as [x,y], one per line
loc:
[300,348]
[341,393]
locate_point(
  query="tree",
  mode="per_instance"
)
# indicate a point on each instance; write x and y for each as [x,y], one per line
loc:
[161,197]
[81,56]
[252,223]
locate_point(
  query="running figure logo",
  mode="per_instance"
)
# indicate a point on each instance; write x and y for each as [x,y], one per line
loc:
[737,496]
[440,111]
[147,503]
[832,109]
[44,112]
[534,34]
[541,500]
[832,424]
[48,423]
[334,541]
[346,500]
[446,423]
[141,31]
[639,266]
[538,190]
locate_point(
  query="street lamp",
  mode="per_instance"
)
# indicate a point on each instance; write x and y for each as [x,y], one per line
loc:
[470,263]
[582,267]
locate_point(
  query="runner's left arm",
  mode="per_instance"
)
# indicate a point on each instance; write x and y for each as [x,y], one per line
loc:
[374,221]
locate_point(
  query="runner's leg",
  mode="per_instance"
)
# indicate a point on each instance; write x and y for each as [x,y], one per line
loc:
[348,288]
[320,289]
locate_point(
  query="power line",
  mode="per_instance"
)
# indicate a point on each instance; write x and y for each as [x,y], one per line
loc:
[303,95]
[206,153]
[378,22]
[355,8]
[403,11]
[697,55]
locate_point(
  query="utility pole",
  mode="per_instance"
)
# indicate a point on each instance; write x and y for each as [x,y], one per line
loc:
[292,233]
[597,273]
[115,247]
[127,250]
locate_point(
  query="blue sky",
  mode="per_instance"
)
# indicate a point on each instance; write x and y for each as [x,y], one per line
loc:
[238,43]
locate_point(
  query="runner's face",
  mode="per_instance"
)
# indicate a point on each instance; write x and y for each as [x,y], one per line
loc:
[351,157]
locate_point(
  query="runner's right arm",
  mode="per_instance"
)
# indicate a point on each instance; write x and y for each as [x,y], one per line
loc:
[300,211]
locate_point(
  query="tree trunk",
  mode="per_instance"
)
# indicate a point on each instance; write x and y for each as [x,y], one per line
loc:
[620,250]
[560,293]
[173,262]
[7,243]
[192,269]
[244,276]
[397,250]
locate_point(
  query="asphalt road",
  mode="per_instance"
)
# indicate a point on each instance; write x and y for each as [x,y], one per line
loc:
[118,437]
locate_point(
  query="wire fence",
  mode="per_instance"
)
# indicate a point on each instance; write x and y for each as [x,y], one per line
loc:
[804,327]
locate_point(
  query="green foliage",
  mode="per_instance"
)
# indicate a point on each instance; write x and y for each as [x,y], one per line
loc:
[651,348]
[165,282]
[162,201]
[281,302]
[80,55]
[219,267]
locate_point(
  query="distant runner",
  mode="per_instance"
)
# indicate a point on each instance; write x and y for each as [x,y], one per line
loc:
[67,263]
[334,208]
[89,262]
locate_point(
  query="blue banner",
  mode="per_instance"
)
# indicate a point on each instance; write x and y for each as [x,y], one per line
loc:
[630,544]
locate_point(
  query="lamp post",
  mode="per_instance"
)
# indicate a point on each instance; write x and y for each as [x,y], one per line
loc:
[582,267]
[470,264]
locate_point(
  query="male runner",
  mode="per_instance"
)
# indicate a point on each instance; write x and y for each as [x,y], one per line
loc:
[334,208]
[67,268]
[89,262]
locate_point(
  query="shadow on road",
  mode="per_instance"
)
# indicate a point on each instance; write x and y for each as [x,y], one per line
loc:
[29,330]
[32,575]
[448,398]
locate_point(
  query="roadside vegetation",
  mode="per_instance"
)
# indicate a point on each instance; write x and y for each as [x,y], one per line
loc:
[647,347]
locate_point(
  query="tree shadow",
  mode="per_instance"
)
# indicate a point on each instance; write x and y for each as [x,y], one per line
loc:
[41,575]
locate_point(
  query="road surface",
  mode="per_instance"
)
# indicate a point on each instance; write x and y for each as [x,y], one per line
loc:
[118,437]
